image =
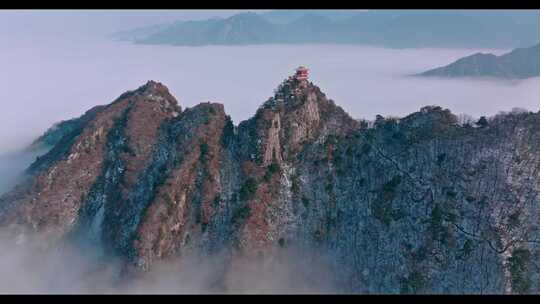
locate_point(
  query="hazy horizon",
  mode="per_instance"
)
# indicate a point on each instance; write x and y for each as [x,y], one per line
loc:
[54,76]
[63,80]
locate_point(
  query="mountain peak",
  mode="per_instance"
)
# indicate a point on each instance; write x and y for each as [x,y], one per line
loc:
[153,92]
[246,17]
[152,87]
[291,91]
[298,113]
[518,64]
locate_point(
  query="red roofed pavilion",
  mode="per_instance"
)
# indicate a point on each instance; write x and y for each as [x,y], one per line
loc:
[301,73]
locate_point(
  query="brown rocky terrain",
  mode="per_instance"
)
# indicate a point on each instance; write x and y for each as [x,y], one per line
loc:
[421,204]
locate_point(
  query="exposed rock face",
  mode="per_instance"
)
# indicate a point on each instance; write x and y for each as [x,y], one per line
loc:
[67,179]
[416,205]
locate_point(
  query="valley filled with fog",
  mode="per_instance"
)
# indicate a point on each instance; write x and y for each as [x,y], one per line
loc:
[52,80]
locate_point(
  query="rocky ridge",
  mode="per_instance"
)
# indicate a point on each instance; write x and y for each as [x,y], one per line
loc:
[420,204]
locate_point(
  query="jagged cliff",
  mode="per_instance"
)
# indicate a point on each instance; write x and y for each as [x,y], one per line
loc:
[416,205]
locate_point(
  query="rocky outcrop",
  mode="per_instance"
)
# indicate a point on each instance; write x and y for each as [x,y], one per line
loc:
[86,158]
[298,116]
[420,204]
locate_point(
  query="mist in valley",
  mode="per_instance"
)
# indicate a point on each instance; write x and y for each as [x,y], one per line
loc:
[47,78]
[30,264]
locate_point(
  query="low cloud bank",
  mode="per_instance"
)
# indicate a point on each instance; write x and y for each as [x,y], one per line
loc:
[31,265]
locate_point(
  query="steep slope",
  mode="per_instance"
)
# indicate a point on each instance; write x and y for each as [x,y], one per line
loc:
[422,205]
[298,116]
[413,205]
[66,177]
[518,64]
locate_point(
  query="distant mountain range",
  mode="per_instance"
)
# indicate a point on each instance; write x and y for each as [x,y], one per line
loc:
[388,28]
[518,64]
[287,16]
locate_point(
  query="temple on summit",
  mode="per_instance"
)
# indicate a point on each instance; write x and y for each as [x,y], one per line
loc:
[301,73]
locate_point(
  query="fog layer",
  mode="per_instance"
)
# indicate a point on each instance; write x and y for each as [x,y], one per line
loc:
[53,80]
[30,265]
[58,64]
[12,166]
